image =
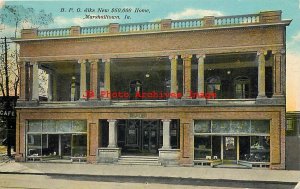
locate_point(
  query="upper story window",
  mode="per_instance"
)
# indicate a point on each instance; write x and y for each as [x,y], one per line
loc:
[241,87]
[213,85]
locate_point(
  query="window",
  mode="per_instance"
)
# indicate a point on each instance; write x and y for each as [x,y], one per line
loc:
[242,87]
[213,85]
[202,146]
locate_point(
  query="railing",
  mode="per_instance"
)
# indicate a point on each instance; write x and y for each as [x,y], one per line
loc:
[147,26]
[93,30]
[237,20]
[58,32]
[190,23]
[211,21]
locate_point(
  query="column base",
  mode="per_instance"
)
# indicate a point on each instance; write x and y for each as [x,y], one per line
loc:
[31,103]
[265,100]
[174,101]
[19,158]
[169,157]
[108,155]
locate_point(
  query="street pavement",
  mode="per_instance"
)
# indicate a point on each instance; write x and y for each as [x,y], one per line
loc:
[169,176]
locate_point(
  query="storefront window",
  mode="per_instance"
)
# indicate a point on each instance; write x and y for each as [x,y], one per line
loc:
[49,126]
[79,126]
[34,126]
[220,126]
[240,126]
[53,139]
[260,149]
[250,139]
[202,146]
[202,126]
[260,126]
[34,143]
[79,145]
[64,125]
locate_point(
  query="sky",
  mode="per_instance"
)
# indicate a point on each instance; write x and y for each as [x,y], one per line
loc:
[178,9]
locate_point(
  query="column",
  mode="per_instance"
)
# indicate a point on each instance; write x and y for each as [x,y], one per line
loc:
[112,132]
[50,86]
[200,76]
[22,81]
[174,86]
[187,64]
[166,134]
[54,90]
[94,78]
[82,79]
[107,78]
[261,75]
[277,71]
[35,81]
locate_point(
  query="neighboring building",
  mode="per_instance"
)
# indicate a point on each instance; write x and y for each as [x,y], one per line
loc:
[236,65]
[293,140]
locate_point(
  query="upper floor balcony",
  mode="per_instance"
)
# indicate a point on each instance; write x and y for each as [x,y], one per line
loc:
[230,60]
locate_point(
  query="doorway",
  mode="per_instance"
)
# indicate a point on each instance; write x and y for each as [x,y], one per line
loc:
[229,148]
[150,136]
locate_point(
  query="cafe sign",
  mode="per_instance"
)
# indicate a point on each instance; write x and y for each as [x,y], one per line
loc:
[7,113]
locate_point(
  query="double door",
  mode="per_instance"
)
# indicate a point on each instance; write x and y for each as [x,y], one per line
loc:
[142,135]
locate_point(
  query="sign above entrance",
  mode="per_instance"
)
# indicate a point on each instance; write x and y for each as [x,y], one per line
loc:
[137,115]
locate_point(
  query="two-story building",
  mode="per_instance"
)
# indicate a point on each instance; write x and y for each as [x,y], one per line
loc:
[205,91]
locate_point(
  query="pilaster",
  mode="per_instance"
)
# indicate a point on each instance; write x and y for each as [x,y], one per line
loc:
[82,79]
[187,67]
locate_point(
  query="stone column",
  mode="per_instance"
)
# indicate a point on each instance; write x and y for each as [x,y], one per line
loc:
[107,78]
[261,74]
[200,76]
[187,67]
[35,81]
[23,81]
[174,86]
[166,134]
[50,86]
[54,95]
[277,71]
[94,78]
[112,138]
[83,91]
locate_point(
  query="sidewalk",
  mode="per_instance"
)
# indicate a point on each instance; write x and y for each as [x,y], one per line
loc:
[151,171]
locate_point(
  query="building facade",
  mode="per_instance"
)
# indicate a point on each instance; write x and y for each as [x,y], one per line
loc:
[293,140]
[206,91]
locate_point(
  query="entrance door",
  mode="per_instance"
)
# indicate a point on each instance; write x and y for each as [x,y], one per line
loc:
[229,148]
[150,136]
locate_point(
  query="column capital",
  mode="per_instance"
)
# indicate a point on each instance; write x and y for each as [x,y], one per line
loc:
[106,60]
[166,120]
[187,56]
[33,63]
[111,120]
[81,61]
[262,52]
[200,56]
[278,51]
[173,57]
[92,61]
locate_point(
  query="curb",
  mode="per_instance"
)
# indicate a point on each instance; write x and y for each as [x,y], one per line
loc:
[166,180]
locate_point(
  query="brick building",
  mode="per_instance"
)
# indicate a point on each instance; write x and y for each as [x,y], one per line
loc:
[207,91]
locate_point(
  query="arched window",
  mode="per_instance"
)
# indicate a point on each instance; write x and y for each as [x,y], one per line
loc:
[241,87]
[213,85]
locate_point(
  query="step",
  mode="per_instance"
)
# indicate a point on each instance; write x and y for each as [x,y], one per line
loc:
[143,157]
[146,159]
[139,163]
[233,166]
[138,160]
